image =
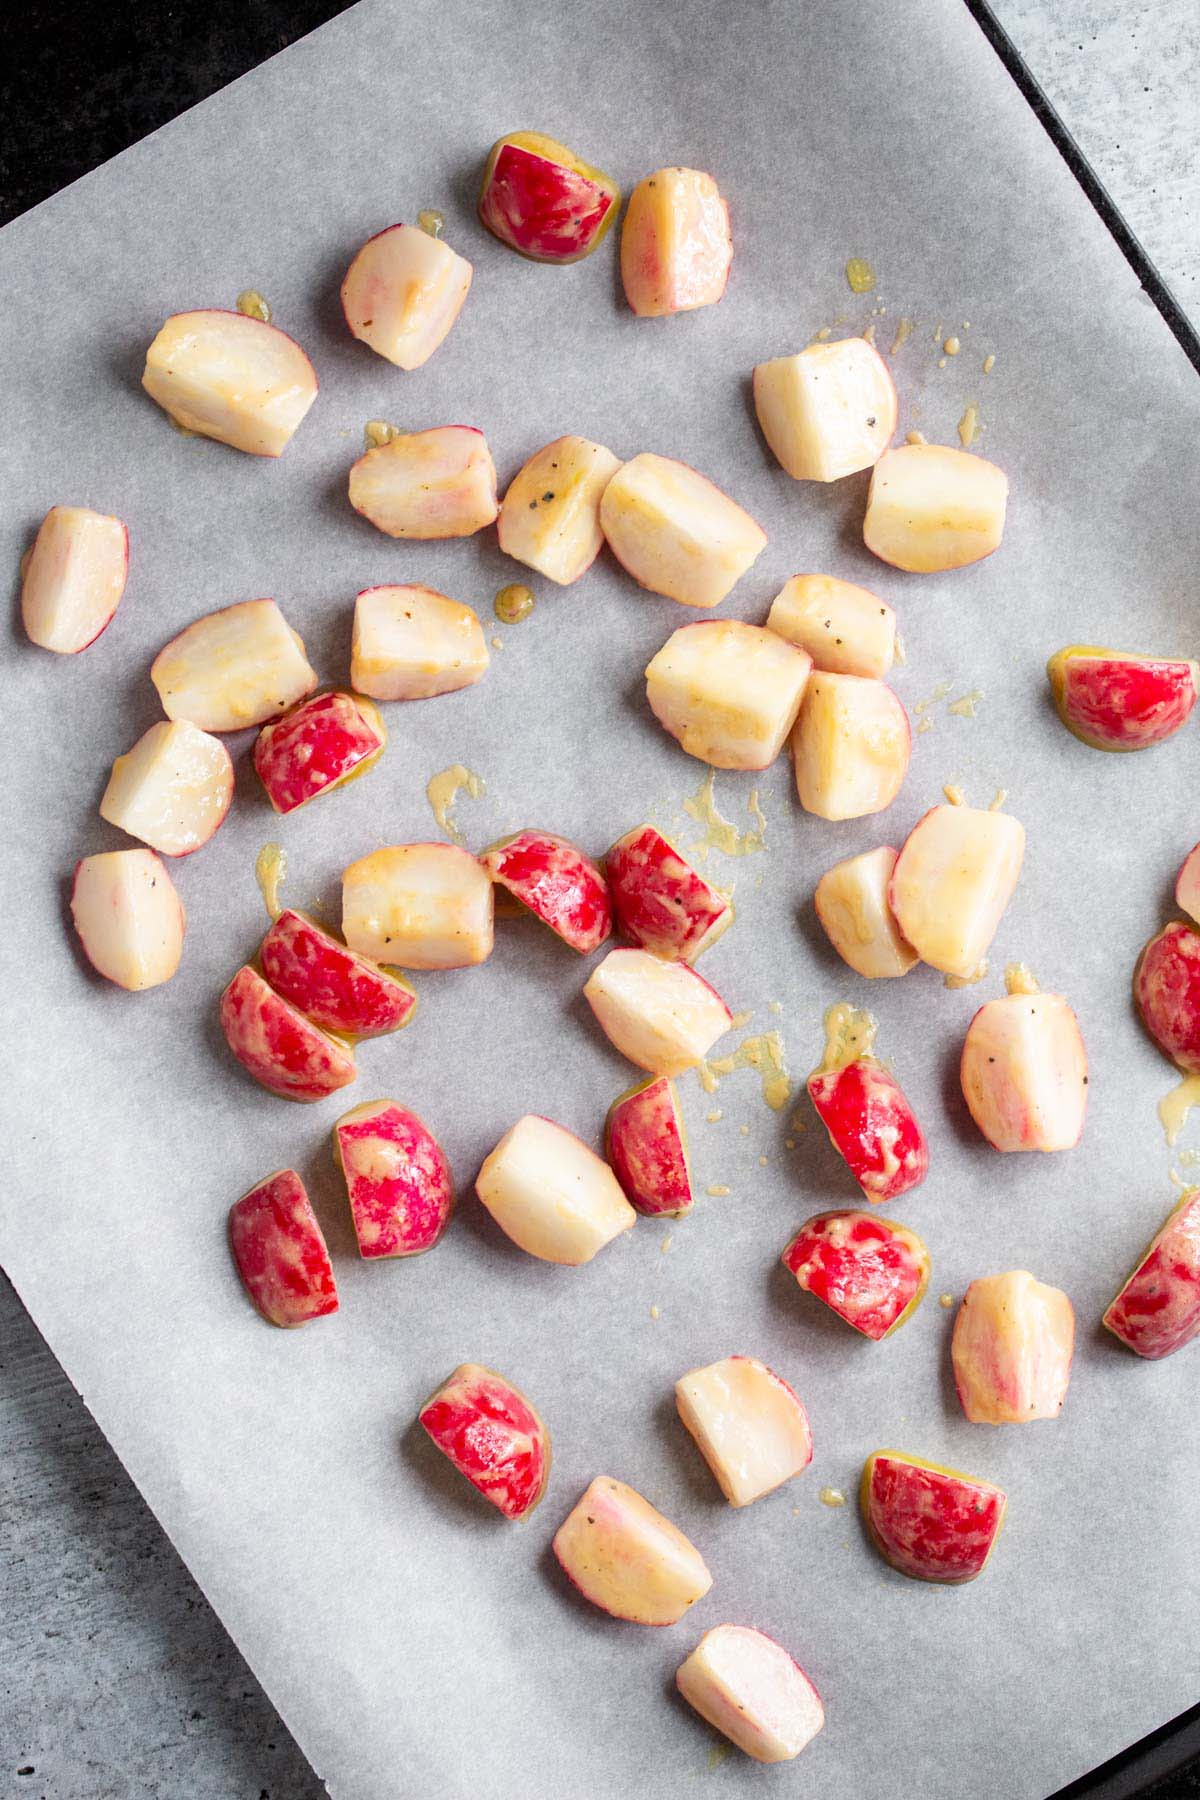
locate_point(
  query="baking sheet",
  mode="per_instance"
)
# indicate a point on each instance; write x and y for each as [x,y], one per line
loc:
[417,1646]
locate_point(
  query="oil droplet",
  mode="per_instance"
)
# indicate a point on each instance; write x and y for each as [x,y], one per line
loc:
[513,603]
[743,1131]
[860,275]
[443,789]
[1173,1108]
[721,833]
[431,221]
[764,1053]
[939,693]
[251,303]
[377,432]
[903,333]
[798,1123]
[717,1755]
[763,1161]
[968,427]
[830,1496]
[849,1034]
[868,333]
[924,726]
[789,1143]
[666,1244]
[717,1191]
[823,335]
[946,1300]
[968,705]
[915,437]
[952,346]
[989,363]
[716,1114]
[497,643]
[962,981]
[998,799]
[739,1019]
[270,872]
[774,1006]
[1019,978]
[954,794]
[654,1313]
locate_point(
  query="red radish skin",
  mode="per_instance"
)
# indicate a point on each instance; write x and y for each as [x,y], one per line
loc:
[486,1427]
[1166,988]
[647,1151]
[397,1177]
[324,742]
[1158,1310]
[1113,701]
[1187,887]
[280,1252]
[662,904]
[931,1523]
[871,1272]
[284,1051]
[871,1126]
[540,200]
[558,883]
[336,988]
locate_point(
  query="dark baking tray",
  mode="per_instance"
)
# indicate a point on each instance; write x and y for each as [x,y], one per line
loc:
[80,91]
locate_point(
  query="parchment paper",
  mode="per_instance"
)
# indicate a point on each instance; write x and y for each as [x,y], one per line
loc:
[417,1645]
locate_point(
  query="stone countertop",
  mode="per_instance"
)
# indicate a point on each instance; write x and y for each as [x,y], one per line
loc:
[118,1681]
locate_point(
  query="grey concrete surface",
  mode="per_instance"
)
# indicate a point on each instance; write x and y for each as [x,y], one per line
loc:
[116,1680]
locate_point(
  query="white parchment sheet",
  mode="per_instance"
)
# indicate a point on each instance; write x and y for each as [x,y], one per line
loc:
[419,1647]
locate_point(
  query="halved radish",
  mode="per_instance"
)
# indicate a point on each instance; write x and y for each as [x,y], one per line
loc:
[233,668]
[411,643]
[439,483]
[662,1016]
[403,292]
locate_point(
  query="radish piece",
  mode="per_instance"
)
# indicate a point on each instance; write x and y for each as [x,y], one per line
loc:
[330,739]
[551,1195]
[172,790]
[845,629]
[421,906]
[486,1427]
[412,643]
[229,669]
[929,508]
[331,985]
[543,200]
[676,533]
[645,1144]
[675,243]
[728,692]
[953,878]
[929,1522]
[274,1042]
[627,1559]
[827,412]
[73,578]
[427,484]
[403,292]
[397,1177]
[851,902]
[1011,1350]
[746,1685]
[280,1252]
[557,883]
[129,918]
[850,747]
[550,517]
[748,1424]
[230,377]
[1158,1310]
[662,1016]
[662,903]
